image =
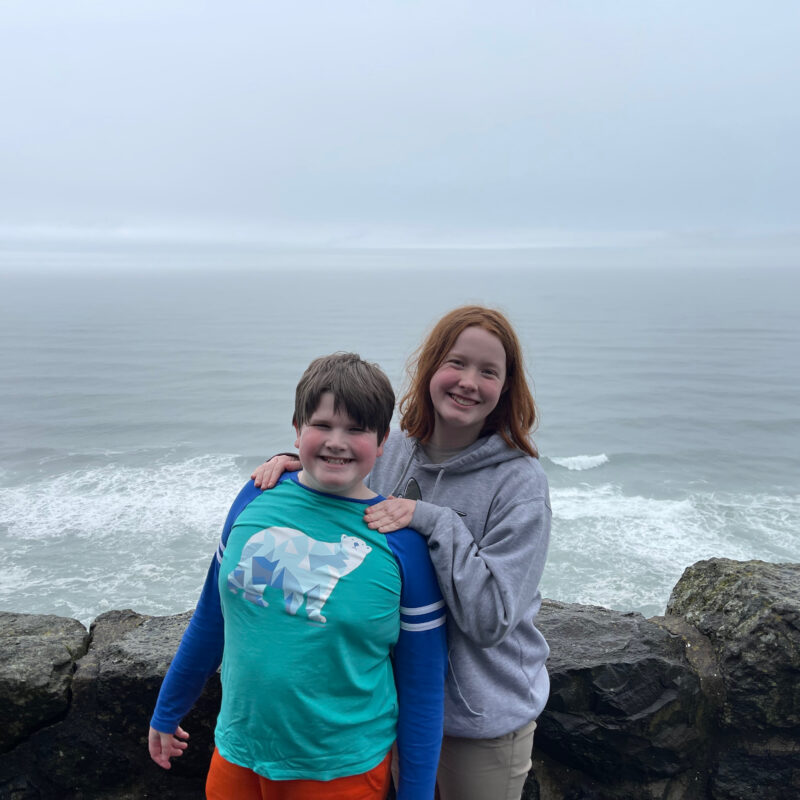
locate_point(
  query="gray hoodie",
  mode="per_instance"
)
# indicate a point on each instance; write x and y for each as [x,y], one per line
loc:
[486,516]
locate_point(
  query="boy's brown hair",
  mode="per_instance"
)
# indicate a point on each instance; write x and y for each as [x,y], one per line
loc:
[514,417]
[358,386]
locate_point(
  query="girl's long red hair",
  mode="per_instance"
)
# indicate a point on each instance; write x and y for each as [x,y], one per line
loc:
[514,417]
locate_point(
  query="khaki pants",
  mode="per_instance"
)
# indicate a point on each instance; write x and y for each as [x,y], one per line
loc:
[483,769]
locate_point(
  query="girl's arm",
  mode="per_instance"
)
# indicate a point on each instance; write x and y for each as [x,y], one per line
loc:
[489,587]
[266,475]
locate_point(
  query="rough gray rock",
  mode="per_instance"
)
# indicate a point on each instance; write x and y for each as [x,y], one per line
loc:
[99,749]
[701,704]
[721,669]
[627,707]
[37,659]
[750,612]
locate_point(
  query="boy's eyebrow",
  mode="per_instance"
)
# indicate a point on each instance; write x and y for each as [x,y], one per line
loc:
[351,421]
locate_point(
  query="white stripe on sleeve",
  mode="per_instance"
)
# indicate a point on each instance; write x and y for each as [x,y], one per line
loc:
[422,626]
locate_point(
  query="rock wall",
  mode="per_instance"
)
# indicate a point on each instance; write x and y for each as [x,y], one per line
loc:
[703,702]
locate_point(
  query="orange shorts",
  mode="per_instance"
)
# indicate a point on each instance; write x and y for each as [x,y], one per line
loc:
[228,781]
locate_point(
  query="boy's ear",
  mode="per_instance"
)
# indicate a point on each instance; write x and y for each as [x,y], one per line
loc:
[297,439]
[383,442]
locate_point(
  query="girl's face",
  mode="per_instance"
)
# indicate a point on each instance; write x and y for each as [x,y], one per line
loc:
[466,387]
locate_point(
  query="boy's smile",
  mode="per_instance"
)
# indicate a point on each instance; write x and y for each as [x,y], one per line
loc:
[335,452]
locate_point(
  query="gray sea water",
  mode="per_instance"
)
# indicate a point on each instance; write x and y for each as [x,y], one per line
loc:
[137,394]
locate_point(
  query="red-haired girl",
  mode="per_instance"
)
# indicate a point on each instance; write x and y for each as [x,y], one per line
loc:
[465,474]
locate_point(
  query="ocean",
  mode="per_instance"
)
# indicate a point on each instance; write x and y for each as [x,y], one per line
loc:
[139,390]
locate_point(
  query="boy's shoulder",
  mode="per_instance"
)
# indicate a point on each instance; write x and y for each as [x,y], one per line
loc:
[408,544]
[246,495]
[422,607]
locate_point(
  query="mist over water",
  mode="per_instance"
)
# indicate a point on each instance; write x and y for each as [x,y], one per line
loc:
[136,403]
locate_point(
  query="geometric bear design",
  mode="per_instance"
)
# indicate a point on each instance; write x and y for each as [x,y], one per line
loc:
[302,567]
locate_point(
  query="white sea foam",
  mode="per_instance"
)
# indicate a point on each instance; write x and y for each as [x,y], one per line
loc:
[580,463]
[142,537]
[627,552]
[114,537]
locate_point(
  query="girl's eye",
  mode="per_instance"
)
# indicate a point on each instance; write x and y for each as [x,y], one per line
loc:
[456,362]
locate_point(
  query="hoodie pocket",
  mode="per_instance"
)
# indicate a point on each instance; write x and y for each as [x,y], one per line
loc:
[458,691]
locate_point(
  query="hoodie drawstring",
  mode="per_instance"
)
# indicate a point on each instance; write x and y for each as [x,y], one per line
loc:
[436,485]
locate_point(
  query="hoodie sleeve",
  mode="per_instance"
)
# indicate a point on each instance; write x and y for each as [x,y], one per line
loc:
[491,584]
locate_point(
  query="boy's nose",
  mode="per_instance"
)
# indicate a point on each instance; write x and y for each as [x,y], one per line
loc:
[335,440]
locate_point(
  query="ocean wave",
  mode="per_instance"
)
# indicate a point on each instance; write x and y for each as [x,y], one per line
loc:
[115,536]
[95,502]
[141,537]
[580,463]
[628,551]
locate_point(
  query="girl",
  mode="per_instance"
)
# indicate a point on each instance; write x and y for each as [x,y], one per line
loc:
[464,473]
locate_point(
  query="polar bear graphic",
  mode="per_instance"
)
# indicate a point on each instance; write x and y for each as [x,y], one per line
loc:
[302,567]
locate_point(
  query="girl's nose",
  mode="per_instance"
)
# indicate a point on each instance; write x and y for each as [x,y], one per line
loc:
[467,379]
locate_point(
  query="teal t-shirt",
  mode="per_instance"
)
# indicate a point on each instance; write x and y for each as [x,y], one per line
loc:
[311,602]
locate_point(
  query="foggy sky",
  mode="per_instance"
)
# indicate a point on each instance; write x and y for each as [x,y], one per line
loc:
[400,122]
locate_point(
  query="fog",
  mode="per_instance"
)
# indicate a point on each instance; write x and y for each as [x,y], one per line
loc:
[358,124]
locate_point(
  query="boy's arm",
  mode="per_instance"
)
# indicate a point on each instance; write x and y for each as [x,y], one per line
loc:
[420,666]
[164,746]
[198,657]
[200,652]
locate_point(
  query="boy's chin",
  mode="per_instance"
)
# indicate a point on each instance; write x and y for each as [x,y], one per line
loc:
[343,488]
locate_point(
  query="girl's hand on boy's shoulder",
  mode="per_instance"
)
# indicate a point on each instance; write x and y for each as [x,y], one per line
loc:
[163,746]
[266,475]
[390,514]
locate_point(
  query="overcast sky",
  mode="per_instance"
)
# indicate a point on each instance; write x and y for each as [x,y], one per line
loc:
[416,122]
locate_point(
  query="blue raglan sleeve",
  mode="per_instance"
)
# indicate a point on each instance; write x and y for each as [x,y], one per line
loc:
[420,666]
[200,652]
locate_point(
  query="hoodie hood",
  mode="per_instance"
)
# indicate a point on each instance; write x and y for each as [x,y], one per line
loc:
[486,451]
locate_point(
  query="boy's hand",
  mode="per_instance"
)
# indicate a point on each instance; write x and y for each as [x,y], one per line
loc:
[390,514]
[266,476]
[163,746]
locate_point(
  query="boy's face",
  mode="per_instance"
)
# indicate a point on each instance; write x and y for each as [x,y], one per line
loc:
[336,454]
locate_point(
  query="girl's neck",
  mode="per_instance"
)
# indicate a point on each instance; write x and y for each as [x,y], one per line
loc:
[446,438]
[439,455]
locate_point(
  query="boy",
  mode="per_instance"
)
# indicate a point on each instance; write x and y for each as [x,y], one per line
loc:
[312,608]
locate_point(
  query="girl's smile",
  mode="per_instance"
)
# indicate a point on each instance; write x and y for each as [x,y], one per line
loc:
[462,401]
